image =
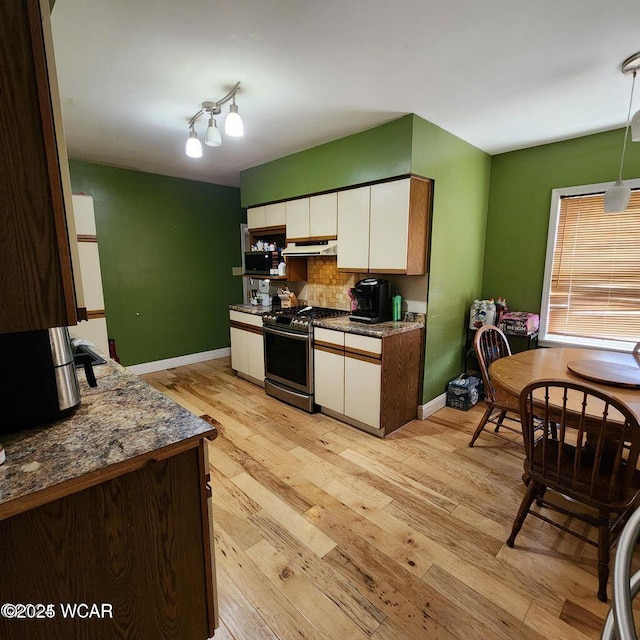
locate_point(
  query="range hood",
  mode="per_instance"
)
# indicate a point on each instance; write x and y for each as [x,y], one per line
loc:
[308,248]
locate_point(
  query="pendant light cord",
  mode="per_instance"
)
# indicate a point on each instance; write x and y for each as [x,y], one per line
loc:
[626,131]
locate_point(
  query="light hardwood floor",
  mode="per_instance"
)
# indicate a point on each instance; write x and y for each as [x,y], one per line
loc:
[323,531]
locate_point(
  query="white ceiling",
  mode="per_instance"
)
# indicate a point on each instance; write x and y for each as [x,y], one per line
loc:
[500,74]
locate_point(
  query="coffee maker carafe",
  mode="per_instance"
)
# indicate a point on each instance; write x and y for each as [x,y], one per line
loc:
[371,297]
[38,382]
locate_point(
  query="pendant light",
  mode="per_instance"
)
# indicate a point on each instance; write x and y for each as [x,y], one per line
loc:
[233,124]
[616,197]
[193,148]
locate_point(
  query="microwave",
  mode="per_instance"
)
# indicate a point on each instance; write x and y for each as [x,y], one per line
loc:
[258,263]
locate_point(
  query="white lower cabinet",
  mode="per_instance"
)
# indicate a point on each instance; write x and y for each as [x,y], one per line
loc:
[247,347]
[328,366]
[362,382]
[370,383]
[348,377]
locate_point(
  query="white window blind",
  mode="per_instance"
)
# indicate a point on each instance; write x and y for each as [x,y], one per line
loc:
[595,281]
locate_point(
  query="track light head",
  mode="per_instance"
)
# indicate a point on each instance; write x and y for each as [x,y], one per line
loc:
[193,148]
[213,137]
[233,125]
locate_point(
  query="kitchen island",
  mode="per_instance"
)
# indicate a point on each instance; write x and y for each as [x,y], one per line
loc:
[109,507]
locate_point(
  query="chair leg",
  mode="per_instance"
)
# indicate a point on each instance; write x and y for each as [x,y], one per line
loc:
[525,505]
[540,496]
[499,422]
[604,535]
[481,425]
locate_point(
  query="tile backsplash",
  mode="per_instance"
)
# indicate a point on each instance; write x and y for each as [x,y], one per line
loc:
[325,287]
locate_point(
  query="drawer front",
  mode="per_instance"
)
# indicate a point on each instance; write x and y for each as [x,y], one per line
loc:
[245,318]
[329,336]
[365,344]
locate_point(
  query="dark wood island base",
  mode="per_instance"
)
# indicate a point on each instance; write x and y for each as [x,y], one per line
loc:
[122,550]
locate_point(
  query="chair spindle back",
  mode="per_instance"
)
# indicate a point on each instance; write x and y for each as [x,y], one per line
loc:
[581,439]
[490,344]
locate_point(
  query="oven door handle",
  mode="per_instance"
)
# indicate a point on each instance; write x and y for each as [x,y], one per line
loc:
[289,334]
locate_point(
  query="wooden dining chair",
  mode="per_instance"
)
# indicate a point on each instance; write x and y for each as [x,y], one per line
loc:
[587,451]
[490,344]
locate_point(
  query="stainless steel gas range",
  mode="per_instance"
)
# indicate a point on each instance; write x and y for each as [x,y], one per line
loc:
[288,353]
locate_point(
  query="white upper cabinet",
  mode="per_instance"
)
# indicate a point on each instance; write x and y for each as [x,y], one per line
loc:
[271,215]
[323,216]
[275,215]
[382,228]
[297,212]
[256,217]
[389,230]
[353,229]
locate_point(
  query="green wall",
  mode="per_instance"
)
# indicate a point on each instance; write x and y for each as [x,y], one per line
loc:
[461,173]
[374,154]
[519,202]
[166,251]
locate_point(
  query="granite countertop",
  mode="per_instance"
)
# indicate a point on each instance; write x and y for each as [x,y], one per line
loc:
[121,419]
[256,310]
[380,330]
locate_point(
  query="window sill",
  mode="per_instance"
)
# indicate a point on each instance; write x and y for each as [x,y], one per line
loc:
[585,343]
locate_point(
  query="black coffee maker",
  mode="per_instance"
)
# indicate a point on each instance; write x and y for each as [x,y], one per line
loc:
[371,297]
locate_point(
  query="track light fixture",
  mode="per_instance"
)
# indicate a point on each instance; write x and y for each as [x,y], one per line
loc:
[233,124]
[616,197]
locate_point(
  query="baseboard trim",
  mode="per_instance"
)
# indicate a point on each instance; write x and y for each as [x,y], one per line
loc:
[425,410]
[180,361]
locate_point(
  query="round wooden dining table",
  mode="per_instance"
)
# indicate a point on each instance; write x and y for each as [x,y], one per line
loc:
[511,374]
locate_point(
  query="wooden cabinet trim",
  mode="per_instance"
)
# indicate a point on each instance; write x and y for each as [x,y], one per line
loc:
[256,231]
[365,356]
[312,238]
[396,271]
[420,202]
[93,314]
[207,535]
[246,327]
[328,347]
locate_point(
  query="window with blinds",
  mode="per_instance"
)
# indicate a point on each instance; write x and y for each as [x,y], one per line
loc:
[594,289]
